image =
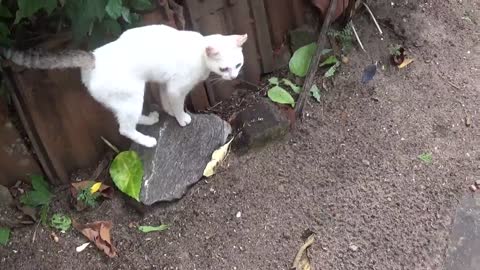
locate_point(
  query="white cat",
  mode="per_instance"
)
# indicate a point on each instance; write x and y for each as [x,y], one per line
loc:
[115,74]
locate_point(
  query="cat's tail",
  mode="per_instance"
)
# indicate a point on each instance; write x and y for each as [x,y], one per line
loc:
[41,59]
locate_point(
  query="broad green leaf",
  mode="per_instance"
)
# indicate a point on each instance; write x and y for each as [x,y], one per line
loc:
[4,236]
[273,80]
[126,15]
[127,173]
[295,88]
[300,61]
[141,4]
[114,8]
[5,12]
[279,95]
[147,229]
[39,184]
[60,222]
[40,195]
[331,71]
[332,59]
[35,198]
[315,92]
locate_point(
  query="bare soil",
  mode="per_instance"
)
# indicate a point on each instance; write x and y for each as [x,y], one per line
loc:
[349,172]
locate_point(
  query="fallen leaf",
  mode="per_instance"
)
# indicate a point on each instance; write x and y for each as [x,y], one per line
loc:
[147,229]
[405,62]
[82,247]
[302,262]
[98,233]
[315,92]
[217,157]
[95,187]
[295,88]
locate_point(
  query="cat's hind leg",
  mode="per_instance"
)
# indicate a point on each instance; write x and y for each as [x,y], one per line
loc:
[128,111]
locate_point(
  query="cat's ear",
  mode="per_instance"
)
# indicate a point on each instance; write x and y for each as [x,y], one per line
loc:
[211,52]
[241,39]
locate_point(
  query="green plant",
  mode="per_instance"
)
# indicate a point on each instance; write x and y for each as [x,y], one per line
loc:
[395,49]
[39,197]
[88,197]
[426,157]
[277,92]
[92,19]
[60,222]
[302,57]
[344,36]
[315,92]
[127,173]
[4,236]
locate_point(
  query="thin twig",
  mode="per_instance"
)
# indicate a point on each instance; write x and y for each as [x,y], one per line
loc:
[356,36]
[35,232]
[114,148]
[373,18]
[312,70]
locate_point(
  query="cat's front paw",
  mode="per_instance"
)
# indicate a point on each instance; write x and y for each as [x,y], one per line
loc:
[184,119]
[148,141]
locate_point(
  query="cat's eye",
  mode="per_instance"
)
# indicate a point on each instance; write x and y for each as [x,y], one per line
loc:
[238,65]
[224,69]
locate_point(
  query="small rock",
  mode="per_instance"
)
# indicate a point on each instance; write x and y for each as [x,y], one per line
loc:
[345,60]
[477,183]
[6,199]
[366,162]
[254,133]
[468,121]
[353,248]
[180,156]
[239,214]
[281,188]
[473,188]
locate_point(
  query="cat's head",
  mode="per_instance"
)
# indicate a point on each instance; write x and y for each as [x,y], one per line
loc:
[224,55]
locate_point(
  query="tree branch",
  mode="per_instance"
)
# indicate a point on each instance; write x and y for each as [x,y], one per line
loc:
[310,78]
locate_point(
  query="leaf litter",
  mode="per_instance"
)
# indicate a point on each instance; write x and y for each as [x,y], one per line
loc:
[99,233]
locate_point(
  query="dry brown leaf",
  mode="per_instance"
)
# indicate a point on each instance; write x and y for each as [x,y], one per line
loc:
[302,262]
[98,233]
[406,62]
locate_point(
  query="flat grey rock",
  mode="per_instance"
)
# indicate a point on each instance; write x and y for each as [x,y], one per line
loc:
[464,245]
[180,156]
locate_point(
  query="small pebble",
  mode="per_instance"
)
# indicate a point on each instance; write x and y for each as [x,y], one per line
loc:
[281,188]
[353,247]
[239,214]
[473,188]
[468,121]
[366,162]
[477,183]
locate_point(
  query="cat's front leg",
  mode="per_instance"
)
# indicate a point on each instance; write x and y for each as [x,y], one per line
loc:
[176,98]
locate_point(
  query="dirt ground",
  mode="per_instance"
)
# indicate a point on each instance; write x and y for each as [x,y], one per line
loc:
[350,172]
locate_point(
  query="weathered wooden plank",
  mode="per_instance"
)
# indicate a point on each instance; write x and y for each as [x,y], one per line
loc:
[262,35]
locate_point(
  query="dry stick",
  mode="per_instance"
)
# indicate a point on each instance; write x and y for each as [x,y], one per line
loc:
[373,18]
[312,70]
[356,36]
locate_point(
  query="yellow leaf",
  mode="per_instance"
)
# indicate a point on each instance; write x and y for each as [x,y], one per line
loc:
[95,187]
[405,62]
[217,157]
[302,262]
